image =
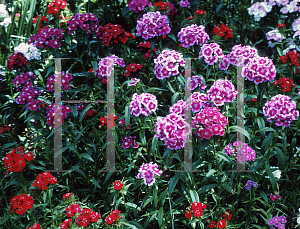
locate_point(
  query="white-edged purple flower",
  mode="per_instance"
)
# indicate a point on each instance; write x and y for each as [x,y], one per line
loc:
[148,172]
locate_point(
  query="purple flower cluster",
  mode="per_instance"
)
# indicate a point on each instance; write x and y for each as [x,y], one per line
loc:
[138,5]
[51,113]
[82,21]
[105,65]
[173,129]
[28,94]
[277,221]
[259,69]
[184,3]
[65,78]
[196,81]
[240,150]
[47,38]
[192,35]
[224,62]
[274,35]
[222,91]
[128,141]
[209,122]
[167,64]
[281,110]
[250,183]
[241,53]
[153,24]
[211,53]
[146,99]
[147,172]
[24,79]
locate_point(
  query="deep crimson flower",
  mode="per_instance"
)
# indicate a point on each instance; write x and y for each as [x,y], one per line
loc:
[191,17]
[55,6]
[111,33]
[212,224]
[35,226]
[21,203]
[189,214]
[43,180]
[223,30]
[15,160]
[118,185]
[221,224]
[16,60]
[113,217]
[285,83]
[200,12]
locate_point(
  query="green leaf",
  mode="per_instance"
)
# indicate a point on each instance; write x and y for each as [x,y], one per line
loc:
[154,143]
[7,145]
[87,156]
[173,182]
[225,157]
[172,36]
[272,178]
[131,225]
[170,87]
[95,182]
[219,7]
[174,98]
[281,156]
[127,116]
[211,172]
[82,114]
[241,131]
[160,216]
[206,188]
[267,141]
[80,134]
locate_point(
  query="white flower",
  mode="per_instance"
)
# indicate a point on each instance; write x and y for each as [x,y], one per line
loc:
[6,22]
[276,172]
[3,12]
[30,51]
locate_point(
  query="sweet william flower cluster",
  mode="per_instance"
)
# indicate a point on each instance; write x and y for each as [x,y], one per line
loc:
[240,55]
[153,24]
[47,38]
[105,65]
[148,101]
[84,21]
[167,64]
[148,172]
[192,35]
[173,129]
[43,180]
[222,91]
[28,50]
[65,79]
[211,53]
[240,150]
[21,203]
[281,110]
[138,5]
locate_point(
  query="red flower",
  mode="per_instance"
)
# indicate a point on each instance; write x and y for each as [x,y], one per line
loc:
[35,226]
[21,203]
[163,36]
[43,180]
[221,224]
[281,25]
[118,185]
[189,214]
[67,195]
[223,30]
[254,100]
[113,216]
[200,12]
[16,60]
[191,18]
[212,224]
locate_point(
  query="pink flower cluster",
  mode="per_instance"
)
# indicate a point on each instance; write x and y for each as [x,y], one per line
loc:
[138,5]
[274,35]
[167,64]
[133,83]
[128,141]
[147,172]
[280,110]
[197,101]
[146,99]
[178,108]
[51,113]
[28,94]
[211,53]
[192,35]
[209,122]
[241,52]
[195,82]
[259,69]
[222,91]
[82,21]
[259,10]
[105,65]
[240,150]
[224,62]
[173,129]
[47,38]
[24,78]
[153,24]
[65,78]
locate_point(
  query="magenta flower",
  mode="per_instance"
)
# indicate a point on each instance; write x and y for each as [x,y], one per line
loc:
[84,21]
[138,5]
[241,54]
[192,35]
[148,172]
[241,150]
[184,3]
[148,100]
[105,65]
[211,53]
[47,38]
[153,24]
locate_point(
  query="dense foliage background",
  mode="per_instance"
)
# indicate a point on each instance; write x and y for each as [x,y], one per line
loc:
[164,203]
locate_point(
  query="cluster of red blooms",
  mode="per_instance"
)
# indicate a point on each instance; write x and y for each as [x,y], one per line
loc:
[35,226]
[112,34]
[197,209]
[285,83]
[21,203]
[43,180]
[43,19]
[146,44]
[223,30]
[15,160]
[200,12]
[222,223]
[55,6]
[293,55]
[132,68]
[83,219]
[88,113]
[118,185]
[275,197]
[171,9]
[16,60]
[113,217]
[3,128]
[103,120]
